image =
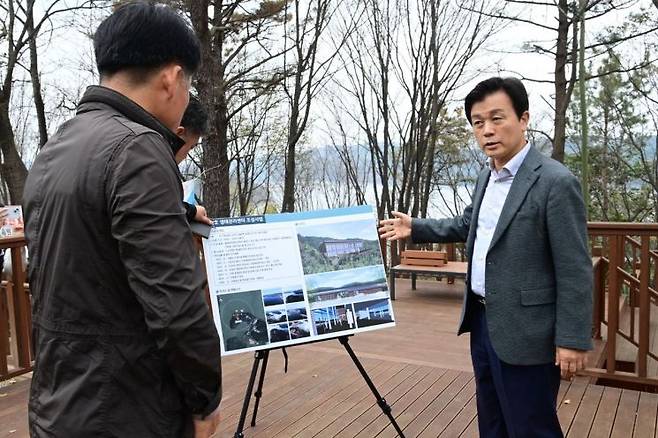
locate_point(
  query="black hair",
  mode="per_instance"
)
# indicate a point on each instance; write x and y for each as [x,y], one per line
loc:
[195,118]
[144,36]
[513,87]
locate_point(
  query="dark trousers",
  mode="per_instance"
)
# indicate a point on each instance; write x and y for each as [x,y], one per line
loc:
[513,401]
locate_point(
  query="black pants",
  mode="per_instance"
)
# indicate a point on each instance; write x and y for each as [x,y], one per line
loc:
[513,401]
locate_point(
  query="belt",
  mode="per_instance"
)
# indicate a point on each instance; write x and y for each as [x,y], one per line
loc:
[479,299]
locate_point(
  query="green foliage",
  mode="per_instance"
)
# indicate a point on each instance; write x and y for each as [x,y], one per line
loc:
[621,161]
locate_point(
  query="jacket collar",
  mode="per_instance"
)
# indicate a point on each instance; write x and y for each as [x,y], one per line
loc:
[513,165]
[523,181]
[107,96]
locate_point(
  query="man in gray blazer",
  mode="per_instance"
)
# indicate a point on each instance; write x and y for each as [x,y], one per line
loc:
[528,301]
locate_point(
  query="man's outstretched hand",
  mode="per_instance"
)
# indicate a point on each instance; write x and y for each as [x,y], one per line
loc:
[397,228]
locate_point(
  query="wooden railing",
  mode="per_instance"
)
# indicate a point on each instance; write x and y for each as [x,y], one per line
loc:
[15,315]
[625,296]
[625,293]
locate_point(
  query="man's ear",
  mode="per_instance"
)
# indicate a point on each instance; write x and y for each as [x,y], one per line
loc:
[180,131]
[525,119]
[171,77]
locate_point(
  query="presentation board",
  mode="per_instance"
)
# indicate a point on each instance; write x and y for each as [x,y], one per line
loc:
[284,279]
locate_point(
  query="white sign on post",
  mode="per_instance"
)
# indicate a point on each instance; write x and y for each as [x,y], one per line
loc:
[285,279]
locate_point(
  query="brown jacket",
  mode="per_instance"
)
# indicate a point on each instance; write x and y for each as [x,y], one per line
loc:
[124,342]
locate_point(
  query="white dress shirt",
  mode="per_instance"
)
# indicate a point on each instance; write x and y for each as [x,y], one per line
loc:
[490,209]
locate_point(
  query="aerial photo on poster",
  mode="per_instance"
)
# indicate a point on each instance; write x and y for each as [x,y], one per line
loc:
[243,320]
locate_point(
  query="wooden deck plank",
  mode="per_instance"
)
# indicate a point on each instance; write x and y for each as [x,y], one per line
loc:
[413,392]
[280,388]
[462,421]
[403,419]
[294,410]
[626,413]
[13,408]
[564,387]
[328,403]
[336,414]
[390,370]
[566,410]
[438,405]
[589,404]
[366,404]
[605,415]
[472,430]
[367,416]
[645,425]
[447,415]
[290,406]
[234,388]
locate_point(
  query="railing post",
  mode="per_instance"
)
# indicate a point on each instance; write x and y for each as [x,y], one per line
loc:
[603,274]
[655,273]
[452,252]
[4,335]
[21,308]
[645,310]
[598,295]
[616,246]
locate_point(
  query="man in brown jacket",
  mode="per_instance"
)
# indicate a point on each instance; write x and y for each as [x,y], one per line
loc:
[124,343]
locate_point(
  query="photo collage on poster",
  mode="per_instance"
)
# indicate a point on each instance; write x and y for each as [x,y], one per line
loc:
[304,278]
[286,314]
[344,276]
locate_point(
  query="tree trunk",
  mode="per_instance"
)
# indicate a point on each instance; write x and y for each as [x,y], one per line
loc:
[561,97]
[288,202]
[584,127]
[13,169]
[210,85]
[604,168]
[655,178]
[434,115]
[36,83]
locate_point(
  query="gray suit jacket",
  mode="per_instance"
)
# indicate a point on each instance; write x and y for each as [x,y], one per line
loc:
[539,271]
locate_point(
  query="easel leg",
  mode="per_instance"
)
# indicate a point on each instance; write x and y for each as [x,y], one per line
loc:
[247,397]
[259,390]
[386,409]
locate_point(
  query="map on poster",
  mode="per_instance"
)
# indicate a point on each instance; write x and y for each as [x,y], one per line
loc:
[284,279]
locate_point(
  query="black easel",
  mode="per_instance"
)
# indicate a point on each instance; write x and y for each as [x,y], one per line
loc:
[263,356]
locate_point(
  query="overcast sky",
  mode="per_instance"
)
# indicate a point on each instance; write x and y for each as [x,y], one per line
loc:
[67,61]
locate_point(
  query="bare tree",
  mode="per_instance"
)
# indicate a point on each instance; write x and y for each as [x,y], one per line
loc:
[368,57]
[19,29]
[449,37]
[564,48]
[237,54]
[309,73]
[254,136]
[36,82]
[429,64]
[353,162]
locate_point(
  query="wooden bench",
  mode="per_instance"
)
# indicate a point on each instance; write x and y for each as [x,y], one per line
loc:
[432,263]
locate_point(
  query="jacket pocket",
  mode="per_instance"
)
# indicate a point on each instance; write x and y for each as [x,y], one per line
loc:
[536,297]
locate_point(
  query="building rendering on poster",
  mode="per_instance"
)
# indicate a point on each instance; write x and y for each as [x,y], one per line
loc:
[284,279]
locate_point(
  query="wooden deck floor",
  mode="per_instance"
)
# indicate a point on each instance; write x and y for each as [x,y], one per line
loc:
[422,369]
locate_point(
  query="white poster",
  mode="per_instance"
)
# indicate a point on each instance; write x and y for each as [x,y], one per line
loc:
[284,279]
